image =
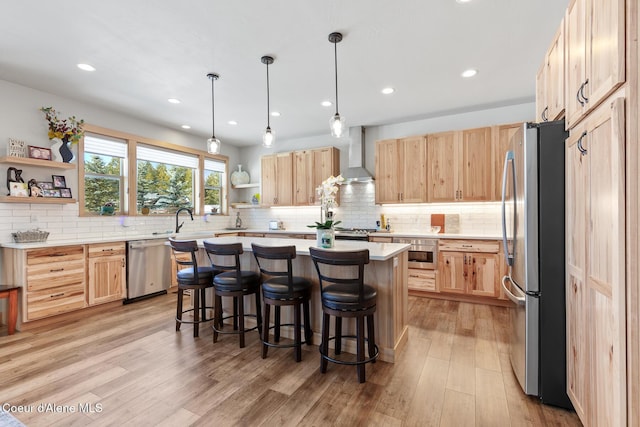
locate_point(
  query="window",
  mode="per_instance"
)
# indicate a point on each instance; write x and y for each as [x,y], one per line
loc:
[104,173]
[214,185]
[165,180]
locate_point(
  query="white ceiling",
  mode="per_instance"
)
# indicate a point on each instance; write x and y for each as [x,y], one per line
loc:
[146,51]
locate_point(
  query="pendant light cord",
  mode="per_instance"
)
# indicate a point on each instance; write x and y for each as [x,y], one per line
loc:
[268,114]
[335,62]
[213,110]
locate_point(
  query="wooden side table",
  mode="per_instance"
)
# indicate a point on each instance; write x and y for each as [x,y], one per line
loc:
[11,293]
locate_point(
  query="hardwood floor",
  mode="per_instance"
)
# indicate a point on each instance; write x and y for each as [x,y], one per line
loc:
[130,367]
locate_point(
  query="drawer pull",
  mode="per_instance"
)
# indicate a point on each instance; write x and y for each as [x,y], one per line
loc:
[56,269]
[61,294]
[62,254]
[107,250]
[467,246]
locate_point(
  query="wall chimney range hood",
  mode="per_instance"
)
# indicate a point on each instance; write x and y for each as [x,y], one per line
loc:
[356,173]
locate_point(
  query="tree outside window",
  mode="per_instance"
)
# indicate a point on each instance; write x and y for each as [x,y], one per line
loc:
[164,188]
[102,182]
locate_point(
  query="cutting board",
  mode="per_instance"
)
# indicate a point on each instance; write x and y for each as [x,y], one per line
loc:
[448,223]
[438,220]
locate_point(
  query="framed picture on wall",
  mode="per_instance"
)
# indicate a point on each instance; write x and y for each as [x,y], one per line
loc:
[45,185]
[51,193]
[59,181]
[65,192]
[39,153]
[18,189]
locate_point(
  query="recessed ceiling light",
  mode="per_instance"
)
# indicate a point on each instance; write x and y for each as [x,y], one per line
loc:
[463,1]
[232,122]
[326,103]
[185,127]
[86,67]
[388,90]
[174,100]
[469,73]
[275,114]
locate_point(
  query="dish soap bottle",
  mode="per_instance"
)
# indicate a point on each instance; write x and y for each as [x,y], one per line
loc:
[238,221]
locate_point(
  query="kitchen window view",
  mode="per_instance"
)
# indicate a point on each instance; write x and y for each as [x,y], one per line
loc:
[104,174]
[214,183]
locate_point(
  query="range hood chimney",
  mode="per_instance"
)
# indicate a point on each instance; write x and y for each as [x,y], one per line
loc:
[356,173]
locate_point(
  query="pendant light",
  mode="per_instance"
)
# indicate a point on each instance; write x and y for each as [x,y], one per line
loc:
[337,123]
[213,143]
[268,137]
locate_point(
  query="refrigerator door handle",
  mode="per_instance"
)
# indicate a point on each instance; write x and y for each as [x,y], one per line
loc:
[514,298]
[509,157]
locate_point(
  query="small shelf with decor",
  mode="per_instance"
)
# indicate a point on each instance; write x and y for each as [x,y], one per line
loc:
[249,185]
[36,162]
[42,200]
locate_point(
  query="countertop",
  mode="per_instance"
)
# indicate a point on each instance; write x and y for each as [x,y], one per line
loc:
[213,233]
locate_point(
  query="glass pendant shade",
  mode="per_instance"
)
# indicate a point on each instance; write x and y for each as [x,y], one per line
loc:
[268,137]
[338,126]
[213,145]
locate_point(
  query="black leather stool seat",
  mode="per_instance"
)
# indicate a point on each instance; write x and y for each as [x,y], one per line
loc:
[205,276]
[229,281]
[343,297]
[278,287]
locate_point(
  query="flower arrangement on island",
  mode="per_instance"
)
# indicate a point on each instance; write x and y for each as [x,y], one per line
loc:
[68,130]
[327,191]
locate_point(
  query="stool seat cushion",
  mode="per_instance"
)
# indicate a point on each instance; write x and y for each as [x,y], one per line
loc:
[277,287]
[205,275]
[227,281]
[345,297]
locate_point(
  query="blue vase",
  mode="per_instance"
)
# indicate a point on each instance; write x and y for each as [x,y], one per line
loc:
[65,151]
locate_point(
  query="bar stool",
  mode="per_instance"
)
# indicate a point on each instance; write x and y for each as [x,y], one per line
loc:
[282,288]
[192,277]
[344,294]
[234,282]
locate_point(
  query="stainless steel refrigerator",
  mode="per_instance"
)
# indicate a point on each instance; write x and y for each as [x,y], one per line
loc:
[533,236]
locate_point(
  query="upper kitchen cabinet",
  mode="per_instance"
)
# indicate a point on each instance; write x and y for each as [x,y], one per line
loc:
[460,166]
[401,170]
[277,185]
[550,80]
[595,54]
[501,142]
[311,167]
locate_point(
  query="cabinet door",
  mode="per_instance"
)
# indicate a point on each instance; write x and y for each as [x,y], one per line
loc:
[326,163]
[442,178]
[413,170]
[605,278]
[475,165]
[555,75]
[575,247]
[576,50]
[387,171]
[542,107]
[451,272]
[268,180]
[106,279]
[304,193]
[284,178]
[482,274]
[501,143]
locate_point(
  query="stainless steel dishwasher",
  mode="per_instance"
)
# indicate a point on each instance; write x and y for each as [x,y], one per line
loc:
[148,269]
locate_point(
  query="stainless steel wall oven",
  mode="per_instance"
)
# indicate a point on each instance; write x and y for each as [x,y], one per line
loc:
[423,253]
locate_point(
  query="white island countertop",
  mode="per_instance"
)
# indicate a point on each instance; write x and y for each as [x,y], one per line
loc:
[377,251]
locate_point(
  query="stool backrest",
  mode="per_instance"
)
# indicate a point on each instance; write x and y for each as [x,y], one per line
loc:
[271,261]
[223,253]
[341,267]
[185,246]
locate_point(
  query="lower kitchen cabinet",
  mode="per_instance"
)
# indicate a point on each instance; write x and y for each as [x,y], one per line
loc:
[107,269]
[422,280]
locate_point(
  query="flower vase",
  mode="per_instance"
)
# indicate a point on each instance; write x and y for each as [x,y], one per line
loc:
[325,238]
[65,152]
[56,143]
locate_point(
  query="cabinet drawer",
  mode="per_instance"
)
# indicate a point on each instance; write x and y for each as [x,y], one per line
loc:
[487,246]
[53,274]
[106,249]
[56,254]
[55,301]
[423,280]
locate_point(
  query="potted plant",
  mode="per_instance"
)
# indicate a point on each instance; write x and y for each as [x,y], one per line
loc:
[327,191]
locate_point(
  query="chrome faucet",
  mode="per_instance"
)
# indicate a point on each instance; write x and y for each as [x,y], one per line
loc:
[178,227]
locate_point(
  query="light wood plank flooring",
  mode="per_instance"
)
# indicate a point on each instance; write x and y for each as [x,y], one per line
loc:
[132,368]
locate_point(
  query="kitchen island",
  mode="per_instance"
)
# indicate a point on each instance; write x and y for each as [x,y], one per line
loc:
[386,271]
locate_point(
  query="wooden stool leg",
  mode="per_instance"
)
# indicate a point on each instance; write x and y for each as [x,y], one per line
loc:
[235,313]
[203,305]
[371,336]
[218,317]
[360,347]
[297,339]
[308,333]
[12,311]
[240,320]
[324,345]
[179,309]
[265,330]
[276,330]
[196,312]
[258,310]
[338,343]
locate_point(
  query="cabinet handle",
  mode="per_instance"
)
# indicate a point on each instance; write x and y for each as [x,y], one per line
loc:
[586,100]
[61,294]
[467,246]
[465,259]
[56,269]
[583,151]
[123,263]
[59,254]
[543,116]
[107,250]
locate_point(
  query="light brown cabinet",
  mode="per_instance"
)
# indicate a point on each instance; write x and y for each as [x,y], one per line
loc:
[550,80]
[106,271]
[55,281]
[595,54]
[276,177]
[595,257]
[401,170]
[460,167]
[501,143]
[469,267]
[311,167]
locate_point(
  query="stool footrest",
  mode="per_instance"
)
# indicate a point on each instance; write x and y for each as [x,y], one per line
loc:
[235,331]
[193,321]
[349,362]
[285,345]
